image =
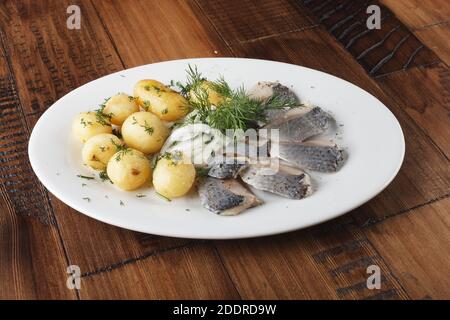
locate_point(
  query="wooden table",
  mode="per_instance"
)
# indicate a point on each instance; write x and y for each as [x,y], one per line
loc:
[404,230]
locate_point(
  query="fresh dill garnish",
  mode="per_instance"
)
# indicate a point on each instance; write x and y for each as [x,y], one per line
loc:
[131,98]
[236,110]
[85,177]
[83,184]
[194,79]
[85,123]
[173,157]
[104,176]
[101,117]
[87,199]
[141,195]
[147,87]
[162,196]
[121,150]
[146,126]
[165,111]
[201,171]
[146,105]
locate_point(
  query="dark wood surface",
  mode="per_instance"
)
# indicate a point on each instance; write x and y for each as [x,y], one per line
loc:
[404,230]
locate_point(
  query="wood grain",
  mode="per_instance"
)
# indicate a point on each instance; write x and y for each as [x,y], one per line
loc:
[416,246]
[424,93]
[325,262]
[151,31]
[425,173]
[436,38]
[188,273]
[417,13]
[380,51]
[246,20]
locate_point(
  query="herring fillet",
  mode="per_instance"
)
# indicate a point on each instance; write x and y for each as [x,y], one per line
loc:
[286,181]
[313,156]
[301,123]
[225,197]
[226,170]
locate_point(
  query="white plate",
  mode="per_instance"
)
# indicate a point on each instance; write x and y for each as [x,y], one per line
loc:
[370,133]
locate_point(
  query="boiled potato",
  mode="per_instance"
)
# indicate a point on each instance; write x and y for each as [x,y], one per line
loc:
[214,97]
[145,132]
[129,169]
[174,175]
[166,103]
[89,124]
[119,107]
[99,149]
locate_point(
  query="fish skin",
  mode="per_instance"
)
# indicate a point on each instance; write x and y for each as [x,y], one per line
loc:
[226,170]
[290,183]
[263,90]
[225,197]
[312,156]
[301,123]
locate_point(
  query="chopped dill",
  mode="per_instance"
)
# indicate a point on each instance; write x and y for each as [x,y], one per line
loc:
[173,157]
[104,176]
[146,105]
[85,177]
[131,98]
[121,150]
[141,195]
[83,184]
[201,171]
[164,111]
[164,197]
[87,199]
[146,126]
[147,87]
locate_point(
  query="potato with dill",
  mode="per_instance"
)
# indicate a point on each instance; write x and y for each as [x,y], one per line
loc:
[173,175]
[145,132]
[155,97]
[119,107]
[129,169]
[89,124]
[99,149]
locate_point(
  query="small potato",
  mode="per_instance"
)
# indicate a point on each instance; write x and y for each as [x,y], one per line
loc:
[119,107]
[89,124]
[99,149]
[214,97]
[166,103]
[129,169]
[145,132]
[174,175]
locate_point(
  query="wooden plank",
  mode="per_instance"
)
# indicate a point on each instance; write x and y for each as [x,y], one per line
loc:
[246,20]
[425,172]
[189,273]
[150,31]
[416,246]
[424,93]
[436,38]
[417,14]
[324,262]
[379,51]
[32,260]
[48,61]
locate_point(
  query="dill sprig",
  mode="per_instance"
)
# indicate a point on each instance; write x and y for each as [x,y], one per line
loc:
[85,177]
[146,126]
[237,110]
[104,176]
[101,117]
[193,79]
[121,150]
[164,197]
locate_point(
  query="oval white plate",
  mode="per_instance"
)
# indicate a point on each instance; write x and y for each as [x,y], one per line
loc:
[370,133]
